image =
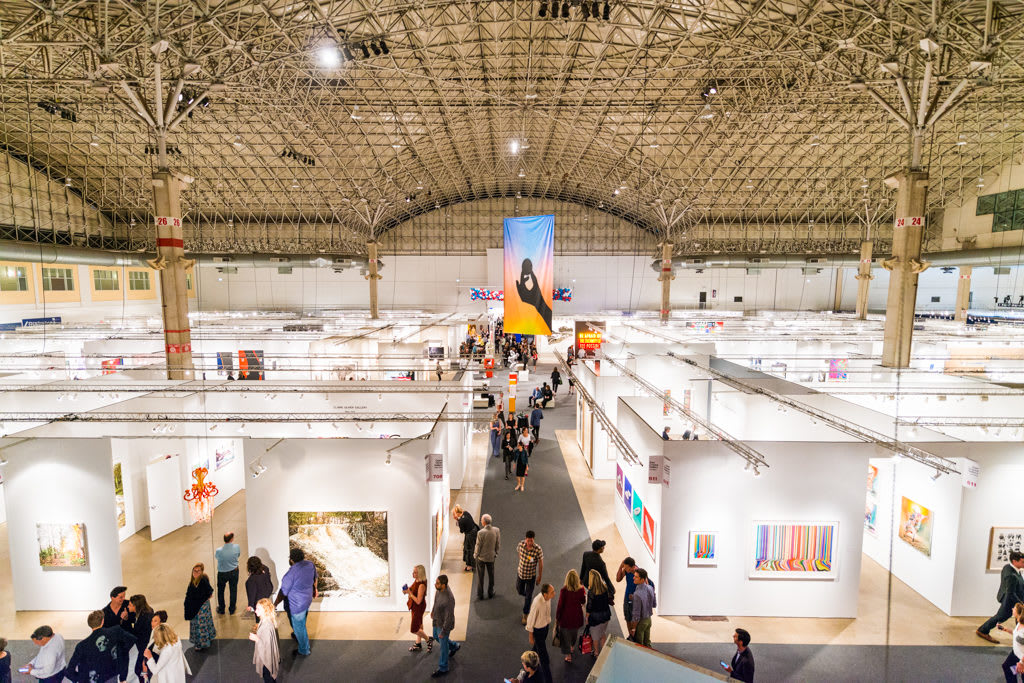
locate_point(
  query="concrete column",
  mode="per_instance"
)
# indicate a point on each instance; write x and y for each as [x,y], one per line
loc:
[837,295]
[963,294]
[666,278]
[904,266]
[173,267]
[864,278]
[372,276]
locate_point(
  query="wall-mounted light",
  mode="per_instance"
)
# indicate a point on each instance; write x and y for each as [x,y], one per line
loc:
[257,469]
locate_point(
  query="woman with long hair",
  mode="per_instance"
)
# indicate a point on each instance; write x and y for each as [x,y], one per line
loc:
[258,585]
[417,603]
[599,610]
[266,656]
[468,528]
[197,609]
[569,613]
[171,667]
[140,623]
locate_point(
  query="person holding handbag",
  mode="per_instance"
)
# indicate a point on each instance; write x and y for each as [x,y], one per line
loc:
[599,610]
[569,613]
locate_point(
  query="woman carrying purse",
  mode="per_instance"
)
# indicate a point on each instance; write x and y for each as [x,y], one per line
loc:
[599,610]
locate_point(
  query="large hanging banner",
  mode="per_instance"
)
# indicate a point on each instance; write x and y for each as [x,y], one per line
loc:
[529,274]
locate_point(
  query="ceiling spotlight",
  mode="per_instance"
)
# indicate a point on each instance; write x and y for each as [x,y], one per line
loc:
[384,47]
[366,50]
[585,10]
[513,147]
[3,461]
[961,141]
[375,48]
[387,460]
[565,10]
[348,54]
[606,12]
[257,469]
[938,473]
[594,9]
[706,114]
[543,10]
[329,56]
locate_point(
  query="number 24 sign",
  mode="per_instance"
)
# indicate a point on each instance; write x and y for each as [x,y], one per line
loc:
[909,221]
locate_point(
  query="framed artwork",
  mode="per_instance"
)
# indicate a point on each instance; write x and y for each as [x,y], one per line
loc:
[62,546]
[871,517]
[872,480]
[618,480]
[122,516]
[647,532]
[438,520]
[837,368]
[637,511]
[627,494]
[916,525]
[703,549]
[795,550]
[222,456]
[1002,541]
[349,549]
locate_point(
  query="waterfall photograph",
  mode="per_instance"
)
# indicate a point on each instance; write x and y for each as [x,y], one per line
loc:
[349,549]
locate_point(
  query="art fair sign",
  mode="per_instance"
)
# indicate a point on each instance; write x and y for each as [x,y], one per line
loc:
[659,470]
[969,474]
[435,467]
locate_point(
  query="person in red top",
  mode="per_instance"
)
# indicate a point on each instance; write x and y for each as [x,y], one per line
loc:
[417,604]
[569,614]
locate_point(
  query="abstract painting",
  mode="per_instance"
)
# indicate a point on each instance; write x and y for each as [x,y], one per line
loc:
[703,548]
[871,517]
[122,517]
[872,480]
[647,533]
[795,550]
[618,480]
[1002,541]
[349,549]
[916,525]
[61,545]
[837,368]
[222,456]
[637,510]
[627,494]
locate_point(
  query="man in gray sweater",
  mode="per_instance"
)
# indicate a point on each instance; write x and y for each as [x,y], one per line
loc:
[443,618]
[488,542]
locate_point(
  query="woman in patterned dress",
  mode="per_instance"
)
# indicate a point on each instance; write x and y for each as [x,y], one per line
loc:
[197,609]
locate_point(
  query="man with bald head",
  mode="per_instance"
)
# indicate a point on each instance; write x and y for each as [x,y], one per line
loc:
[488,542]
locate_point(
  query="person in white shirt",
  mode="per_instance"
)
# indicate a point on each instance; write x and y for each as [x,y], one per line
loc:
[1013,665]
[538,623]
[49,664]
[172,665]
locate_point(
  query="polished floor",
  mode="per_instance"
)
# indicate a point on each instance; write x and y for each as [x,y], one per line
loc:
[566,508]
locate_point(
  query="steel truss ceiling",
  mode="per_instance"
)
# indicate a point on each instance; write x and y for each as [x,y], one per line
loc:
[612,114]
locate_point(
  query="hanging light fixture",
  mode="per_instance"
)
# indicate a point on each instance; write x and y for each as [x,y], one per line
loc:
[543,10]
[565,10]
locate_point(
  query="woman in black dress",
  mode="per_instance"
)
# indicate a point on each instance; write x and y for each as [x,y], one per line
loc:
[522,460]
[140,623]
[258,585]
[508,452]
[468,528]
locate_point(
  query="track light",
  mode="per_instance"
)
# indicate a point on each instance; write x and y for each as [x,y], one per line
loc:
[585,10]
[387,460]
[384,47]
[366,50]
[938,473]
[257,469]
[606,14]
[376,48]
[543,10]
[565,10]
[348,54]
[329,56]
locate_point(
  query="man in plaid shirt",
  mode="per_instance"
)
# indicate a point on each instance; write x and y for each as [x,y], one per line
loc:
[529,570]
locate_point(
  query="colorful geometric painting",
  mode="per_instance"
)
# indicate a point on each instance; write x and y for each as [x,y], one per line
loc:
[794,550]
[871,517]
[648,531]
[627,494]
[703,548]
[872,479]
[916,525]
[618,480]
[637,511]
[61,545]
[837,368]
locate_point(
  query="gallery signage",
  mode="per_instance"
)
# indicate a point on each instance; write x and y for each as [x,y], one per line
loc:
[51,320]
[970,474]
[588,339]
[435,467]
[654,469]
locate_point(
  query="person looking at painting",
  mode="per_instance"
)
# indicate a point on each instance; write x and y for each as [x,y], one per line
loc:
[49,663]
[488,543]
[742,666]
[116,612]
[258,585]
[469,530]
[416,601]
[1011,591]
[227,572]
[299,586]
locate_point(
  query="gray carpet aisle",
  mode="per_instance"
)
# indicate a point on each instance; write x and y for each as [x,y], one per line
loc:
[497,638]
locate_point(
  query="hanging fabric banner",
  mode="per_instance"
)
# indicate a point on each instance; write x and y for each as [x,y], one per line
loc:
[529,274]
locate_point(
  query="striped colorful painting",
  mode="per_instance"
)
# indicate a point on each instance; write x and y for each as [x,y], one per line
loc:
[703,548]
[793,549]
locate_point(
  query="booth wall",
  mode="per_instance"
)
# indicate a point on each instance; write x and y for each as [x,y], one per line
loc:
[63,481]
[325,475]
[710,491]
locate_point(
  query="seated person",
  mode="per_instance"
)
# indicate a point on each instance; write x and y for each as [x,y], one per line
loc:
[546,395]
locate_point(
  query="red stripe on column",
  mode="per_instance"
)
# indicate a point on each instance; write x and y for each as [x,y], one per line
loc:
[176,331]
[169,242]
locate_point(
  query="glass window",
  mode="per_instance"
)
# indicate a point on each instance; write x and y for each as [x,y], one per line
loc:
[986,205]
[13,279]
[58,280]
[188,281]
[105,280]
[138,281]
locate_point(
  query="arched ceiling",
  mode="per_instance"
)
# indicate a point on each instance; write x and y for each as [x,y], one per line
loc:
[471,100]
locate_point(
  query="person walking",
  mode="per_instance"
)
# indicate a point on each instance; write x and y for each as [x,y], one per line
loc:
[599,609]
[266,656]
[522,422]
[569,613]
[526,438]
[1011,591]
[298,586]
[508,449]
[644,602]
[529,569]
[488,543]
[171,667]
[531,668]
[556,380]
[742,666]
[1012,664]
[227,572]
[592,560]
[496,427]
[626,570]
[535,417]
[438,371]
[469,531]
[49,663]
[522,460]
[140,624]
[103,655]
[197,609]
[416,602]
[442,618]
[538,623]
[258,585]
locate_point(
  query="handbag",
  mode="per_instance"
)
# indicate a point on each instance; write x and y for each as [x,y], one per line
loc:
[556,640]
[586,643]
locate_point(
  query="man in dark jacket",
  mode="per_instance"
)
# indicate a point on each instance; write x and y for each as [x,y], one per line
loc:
[742,666]
[535,417]
[442,617]
[592,560]
[103,655]
[116,612]
[1011,591]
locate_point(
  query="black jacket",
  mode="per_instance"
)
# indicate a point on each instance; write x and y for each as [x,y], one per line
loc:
[195,596]
[743,666]
[101,656]
[593,560]
[258,586]
[1011,585]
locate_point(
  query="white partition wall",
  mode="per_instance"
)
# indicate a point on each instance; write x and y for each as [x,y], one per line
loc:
[61,482]
[345,475]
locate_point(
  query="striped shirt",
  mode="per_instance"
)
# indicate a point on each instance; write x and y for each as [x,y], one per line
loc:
[528,559]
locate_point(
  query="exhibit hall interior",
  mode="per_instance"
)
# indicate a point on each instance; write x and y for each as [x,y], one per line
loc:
[546,341]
